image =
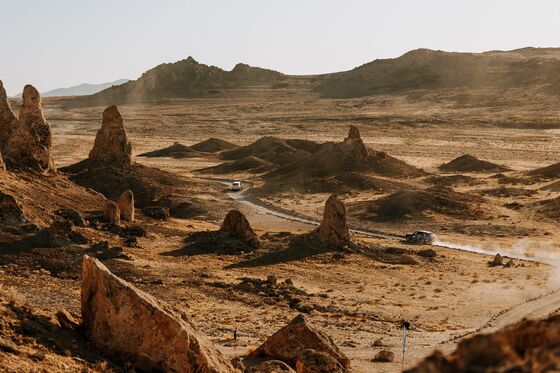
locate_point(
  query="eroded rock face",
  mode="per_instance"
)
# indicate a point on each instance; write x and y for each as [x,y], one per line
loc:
[8,120]
[126,205]
[121,319]
[111,213]
[236,225]
[289,343]
[528,346]
[29,143]
[334,227]
[111,141]
[2,164]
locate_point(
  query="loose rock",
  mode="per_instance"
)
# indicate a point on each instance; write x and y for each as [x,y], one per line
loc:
[384,356]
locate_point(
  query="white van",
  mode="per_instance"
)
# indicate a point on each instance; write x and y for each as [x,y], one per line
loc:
[236,185]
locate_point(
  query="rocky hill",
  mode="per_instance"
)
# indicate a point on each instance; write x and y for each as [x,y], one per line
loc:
[425,69]
[417,70]
[185,78]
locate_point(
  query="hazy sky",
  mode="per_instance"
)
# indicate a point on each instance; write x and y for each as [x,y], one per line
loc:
[58,43]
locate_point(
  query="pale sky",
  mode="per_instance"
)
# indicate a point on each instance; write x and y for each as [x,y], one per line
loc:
[60,43]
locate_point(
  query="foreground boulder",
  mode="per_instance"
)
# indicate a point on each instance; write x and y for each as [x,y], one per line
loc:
[111,142]
[123,320]
[528,346]
[29,143]
[126,205]
[334,227]
[289,344]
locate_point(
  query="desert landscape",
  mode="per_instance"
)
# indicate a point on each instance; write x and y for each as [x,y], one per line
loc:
[123,246]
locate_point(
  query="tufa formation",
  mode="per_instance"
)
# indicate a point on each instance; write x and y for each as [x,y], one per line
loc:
[8,120]
[26,142]
[121,319]
[237,226]
[334,227]
[111,142]
[125,204]
[111,212]
[353,133]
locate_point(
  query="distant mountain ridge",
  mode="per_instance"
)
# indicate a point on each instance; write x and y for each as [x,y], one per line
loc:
[81,89]
[421,69]
[185,78]
[425,69]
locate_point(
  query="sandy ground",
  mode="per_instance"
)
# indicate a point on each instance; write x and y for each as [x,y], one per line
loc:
[356,299]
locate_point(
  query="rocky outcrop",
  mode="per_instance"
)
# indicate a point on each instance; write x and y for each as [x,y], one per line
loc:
[2,164]
[353,133]
[8,120]
[30,141]
[111,142]
[289,344]
[111,213]
[237,226]
[126,205]
[334,227]
[528,346]
[121,319]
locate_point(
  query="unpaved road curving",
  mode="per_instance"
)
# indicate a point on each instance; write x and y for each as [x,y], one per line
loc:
[537,307]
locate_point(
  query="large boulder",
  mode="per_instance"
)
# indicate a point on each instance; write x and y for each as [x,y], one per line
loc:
[126,205]
[237,226]
[30,142]
[111,142]
[8,120]
[121,319]
[289,343]
[528,346]
[334,227]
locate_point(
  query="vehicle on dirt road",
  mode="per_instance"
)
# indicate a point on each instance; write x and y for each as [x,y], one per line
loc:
[236,185]
[420,238]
